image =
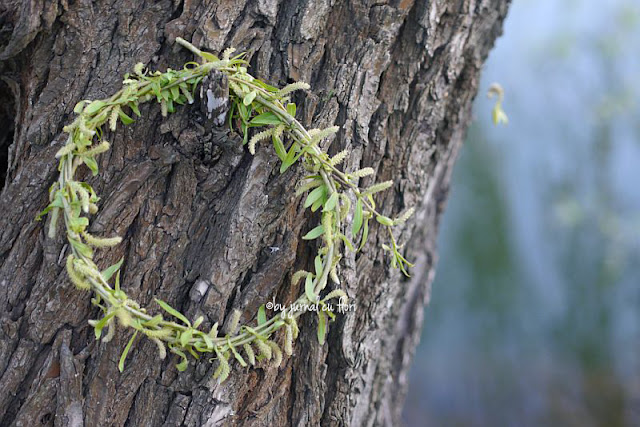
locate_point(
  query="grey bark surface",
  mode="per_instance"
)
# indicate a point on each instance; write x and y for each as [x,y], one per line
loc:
[398,77]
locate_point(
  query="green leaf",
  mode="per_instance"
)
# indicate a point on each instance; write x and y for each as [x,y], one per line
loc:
[331,203]
[91,163]
[384,220]
[267,118]
[182,366]
[208,340]
[347,242]
[290,159]
[108,272]
[97,328]
[242,111]
[126,351]
[166,307]
[84,250]
[318,265]
[291,109]
[248,98]
[134,108]
[79,107]
[124,118]
[322,327]
[308,288]
[357,219]
[78,224]
[154,321]
[262,316]
[314,234]
[185,337]
[94,107]
[279,148]
[175,92]
[209,56]
[365,233]
[314,196]
[236,354]
[318,203]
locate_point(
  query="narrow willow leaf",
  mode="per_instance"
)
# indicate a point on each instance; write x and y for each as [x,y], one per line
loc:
[108,272]
[318,203]
[357,218]
[91,163]
[314,234]
[346,241]
[100,324]
[198,321]
[237,355]
[124,118]
[365,233]
[248,99]
[184,363]
[308,185]
[81,248]
[166,307]
[317,262]
[290,159]
[315,195]
[79,107]
[126,351]
[308,288]
[208,341]
[185,337]
[154,321]
[53,222]
[384,220]
[278,146]
[209,56]
[213,333]
[134,108]
[264,119]
[262,316]
[291,109]
[93,107]
[331,202]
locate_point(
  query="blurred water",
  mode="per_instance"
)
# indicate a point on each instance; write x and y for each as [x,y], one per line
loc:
[535,311]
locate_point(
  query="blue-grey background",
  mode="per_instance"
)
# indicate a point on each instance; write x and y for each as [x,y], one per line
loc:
[534,317]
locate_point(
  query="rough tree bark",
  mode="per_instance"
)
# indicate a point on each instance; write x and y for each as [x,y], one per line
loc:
[398,77]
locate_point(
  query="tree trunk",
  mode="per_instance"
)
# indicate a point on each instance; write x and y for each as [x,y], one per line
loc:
[212,236]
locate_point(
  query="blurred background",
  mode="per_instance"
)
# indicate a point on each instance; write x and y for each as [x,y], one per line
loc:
[534,317]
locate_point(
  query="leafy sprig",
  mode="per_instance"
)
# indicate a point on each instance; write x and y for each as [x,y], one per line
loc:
[254,104]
